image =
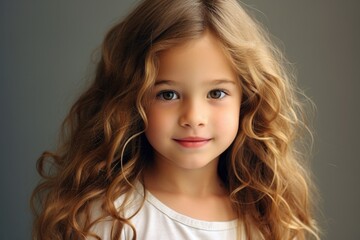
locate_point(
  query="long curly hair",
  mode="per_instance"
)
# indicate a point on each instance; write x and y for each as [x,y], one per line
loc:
[103,149]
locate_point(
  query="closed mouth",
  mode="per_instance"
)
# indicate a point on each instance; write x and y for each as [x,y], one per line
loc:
[192,142]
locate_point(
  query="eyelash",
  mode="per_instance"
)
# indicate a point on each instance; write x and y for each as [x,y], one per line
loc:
[223,93]
[176,96]
[161,94]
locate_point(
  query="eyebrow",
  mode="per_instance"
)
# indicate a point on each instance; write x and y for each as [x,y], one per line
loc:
[213,82]
[222,81]
[165,82]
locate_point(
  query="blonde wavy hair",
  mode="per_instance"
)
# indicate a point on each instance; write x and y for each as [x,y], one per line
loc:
[103,149]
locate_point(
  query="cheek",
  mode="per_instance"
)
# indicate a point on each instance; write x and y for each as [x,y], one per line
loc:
[157,117]
[153,127]
[227,121]
[159,122]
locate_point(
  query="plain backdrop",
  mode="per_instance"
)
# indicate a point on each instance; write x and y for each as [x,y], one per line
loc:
[46,57]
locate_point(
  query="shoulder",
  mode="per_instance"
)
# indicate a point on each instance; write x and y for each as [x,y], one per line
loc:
[127,206]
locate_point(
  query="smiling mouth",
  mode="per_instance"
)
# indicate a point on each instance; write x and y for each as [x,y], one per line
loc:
[192,142]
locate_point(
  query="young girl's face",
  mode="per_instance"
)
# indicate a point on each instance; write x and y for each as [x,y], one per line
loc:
[194,109]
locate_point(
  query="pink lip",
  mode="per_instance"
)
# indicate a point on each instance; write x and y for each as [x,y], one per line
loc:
[192,142]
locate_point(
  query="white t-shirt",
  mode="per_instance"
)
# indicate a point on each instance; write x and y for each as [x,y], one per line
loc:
[157,221]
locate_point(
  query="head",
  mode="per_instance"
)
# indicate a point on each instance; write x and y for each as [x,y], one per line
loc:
[130,62]
[130,65]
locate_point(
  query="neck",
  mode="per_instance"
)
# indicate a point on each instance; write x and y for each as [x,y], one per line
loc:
[166,177]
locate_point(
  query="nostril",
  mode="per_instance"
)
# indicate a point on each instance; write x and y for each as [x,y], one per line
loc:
[192,122]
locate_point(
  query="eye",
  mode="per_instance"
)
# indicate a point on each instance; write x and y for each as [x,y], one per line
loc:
[217,94]
[167,95]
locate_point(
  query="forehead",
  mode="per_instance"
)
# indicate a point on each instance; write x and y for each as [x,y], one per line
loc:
[203,57]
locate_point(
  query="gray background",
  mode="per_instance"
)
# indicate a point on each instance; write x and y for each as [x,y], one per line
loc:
[46,49]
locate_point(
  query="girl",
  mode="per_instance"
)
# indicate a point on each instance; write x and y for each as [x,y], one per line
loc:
[187,132]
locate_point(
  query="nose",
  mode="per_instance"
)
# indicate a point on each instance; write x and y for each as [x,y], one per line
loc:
[193,114]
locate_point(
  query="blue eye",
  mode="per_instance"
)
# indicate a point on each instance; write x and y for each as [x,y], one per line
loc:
[167,95]
[216,94]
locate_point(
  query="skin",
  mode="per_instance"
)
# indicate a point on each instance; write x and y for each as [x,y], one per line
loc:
[193,117]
